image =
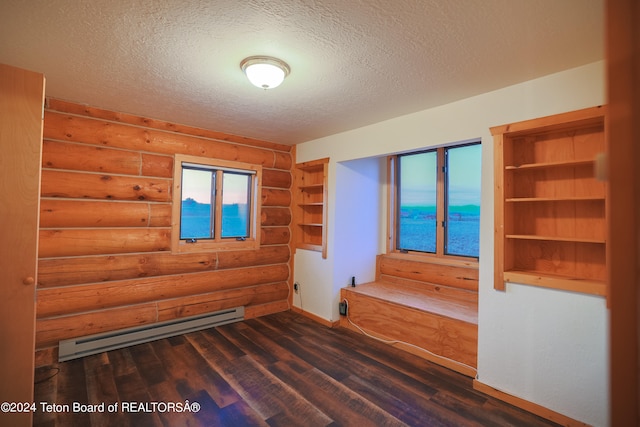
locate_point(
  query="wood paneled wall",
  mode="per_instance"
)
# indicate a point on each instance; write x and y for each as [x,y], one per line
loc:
[105,227]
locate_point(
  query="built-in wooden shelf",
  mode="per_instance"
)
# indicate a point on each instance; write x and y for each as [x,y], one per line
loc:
[550,210]
[310,212]
[554,238]
[554,199]
[567,283]
[564,164]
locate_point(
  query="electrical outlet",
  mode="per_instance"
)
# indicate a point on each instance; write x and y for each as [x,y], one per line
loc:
[296,287]
[343,308]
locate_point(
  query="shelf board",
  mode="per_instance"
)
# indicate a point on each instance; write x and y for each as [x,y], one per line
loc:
[542,165]
[312,187]
[546,280]
[309,246]
[554,199]
[554,238]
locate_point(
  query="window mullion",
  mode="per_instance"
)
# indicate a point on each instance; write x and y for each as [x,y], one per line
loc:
[440,203]
[250,201]
[217,226]
[393,185]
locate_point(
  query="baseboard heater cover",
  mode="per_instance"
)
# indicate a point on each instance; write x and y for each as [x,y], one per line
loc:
[92,344]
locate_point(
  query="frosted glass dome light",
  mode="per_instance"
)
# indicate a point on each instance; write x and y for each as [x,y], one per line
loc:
[265,72]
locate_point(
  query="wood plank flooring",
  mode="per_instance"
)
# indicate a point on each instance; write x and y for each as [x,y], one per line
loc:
[277,370]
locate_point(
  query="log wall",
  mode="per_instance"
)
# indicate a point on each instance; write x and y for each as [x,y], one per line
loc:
[105,227]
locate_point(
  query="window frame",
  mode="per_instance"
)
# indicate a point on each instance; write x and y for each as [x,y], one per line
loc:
[218,243]
[441,207]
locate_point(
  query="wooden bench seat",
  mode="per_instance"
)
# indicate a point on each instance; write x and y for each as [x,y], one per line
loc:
[438,322]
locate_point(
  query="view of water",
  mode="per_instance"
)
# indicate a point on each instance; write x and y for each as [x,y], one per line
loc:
[196,220]
[418,229]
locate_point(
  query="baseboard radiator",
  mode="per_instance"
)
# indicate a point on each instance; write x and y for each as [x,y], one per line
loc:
[92,344]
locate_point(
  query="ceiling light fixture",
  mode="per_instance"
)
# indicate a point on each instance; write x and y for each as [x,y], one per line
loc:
[265,72]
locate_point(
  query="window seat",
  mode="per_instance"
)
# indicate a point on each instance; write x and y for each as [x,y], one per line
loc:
[427,309]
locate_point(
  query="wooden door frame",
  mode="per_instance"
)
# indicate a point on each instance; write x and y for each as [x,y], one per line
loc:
[623,92]
[21,103]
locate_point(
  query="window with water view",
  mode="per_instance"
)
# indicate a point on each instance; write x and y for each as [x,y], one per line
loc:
[217,204]
[438,201]
[197,218]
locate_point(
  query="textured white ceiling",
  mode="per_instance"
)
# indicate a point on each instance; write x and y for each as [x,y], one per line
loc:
[353,62]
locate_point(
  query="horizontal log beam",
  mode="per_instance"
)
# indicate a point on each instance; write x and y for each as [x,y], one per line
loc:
[254,311]
[276,178]
[64,155]
[276,197]
[274,216]
[50,331]
[64,127]
[56,213]
[104,268]
[100,296]
[275,236]
[61,106]
[80,242]
[206,303]
[78,185]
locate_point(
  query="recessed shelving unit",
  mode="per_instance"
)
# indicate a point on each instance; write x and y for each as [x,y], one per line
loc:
[310,205]
[550,210]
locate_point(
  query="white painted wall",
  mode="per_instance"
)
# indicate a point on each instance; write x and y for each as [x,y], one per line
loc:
[353,234]
[546,346]
[357,218]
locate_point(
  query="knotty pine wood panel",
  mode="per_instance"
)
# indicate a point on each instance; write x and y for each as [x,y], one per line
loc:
[50,331]
[282,160]
[84,241]
[74,213]
[156,165]
[79,185]
[96,241]
[558,146]
[159,215]
[116,135]
[80,213]
[61,106]
[440,274]
[275,197]
[275,216]
[254,311]
[565,259]
[55,272]
[454,303]
[73,156]
[437,290]
[89,158]
[276,178]
[214,301]
[275,235]
[105,230]
[80,298]
[264,256]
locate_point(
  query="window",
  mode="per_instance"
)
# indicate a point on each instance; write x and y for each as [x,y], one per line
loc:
[436,201]
[215,205]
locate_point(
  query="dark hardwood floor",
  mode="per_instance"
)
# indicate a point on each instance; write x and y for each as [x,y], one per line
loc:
[278,370]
